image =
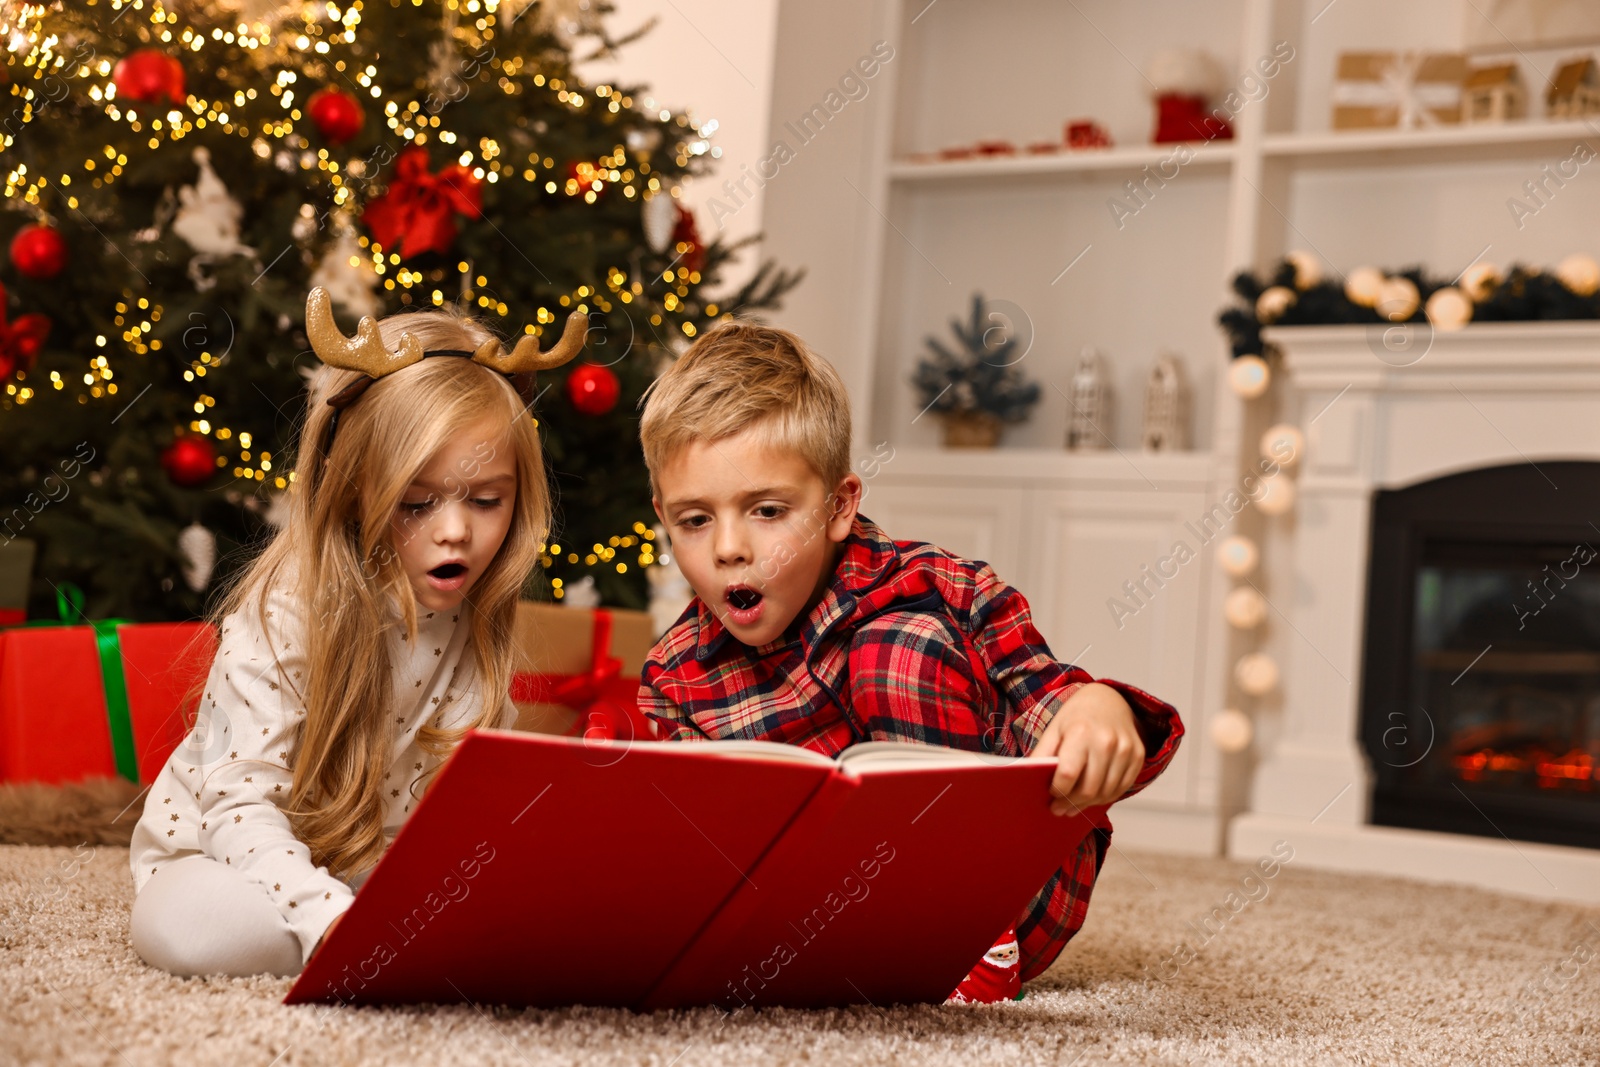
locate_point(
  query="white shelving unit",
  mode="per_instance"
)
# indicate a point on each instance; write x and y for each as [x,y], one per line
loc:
[1513,140]
[1080,161]
[895,246]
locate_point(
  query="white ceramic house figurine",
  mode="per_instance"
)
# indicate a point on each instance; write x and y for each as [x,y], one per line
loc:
[1089,417]
[1493,94]
[1165,406]
[1573,92]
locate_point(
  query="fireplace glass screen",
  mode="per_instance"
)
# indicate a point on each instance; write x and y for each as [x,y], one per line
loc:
[1481,710]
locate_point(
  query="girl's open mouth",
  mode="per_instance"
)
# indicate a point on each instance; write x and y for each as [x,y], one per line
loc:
[448,576]
[744,604]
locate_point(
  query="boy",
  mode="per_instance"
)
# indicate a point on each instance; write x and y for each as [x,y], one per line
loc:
[811,626]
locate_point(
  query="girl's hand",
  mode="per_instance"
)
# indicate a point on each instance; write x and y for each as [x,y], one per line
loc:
[1098,749]
[321,940]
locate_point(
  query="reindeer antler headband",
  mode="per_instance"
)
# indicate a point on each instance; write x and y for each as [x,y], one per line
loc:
[367,353]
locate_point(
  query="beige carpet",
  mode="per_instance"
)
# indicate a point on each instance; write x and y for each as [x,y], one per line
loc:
[1323,969]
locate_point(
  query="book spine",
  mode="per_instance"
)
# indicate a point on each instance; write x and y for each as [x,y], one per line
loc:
[711,946]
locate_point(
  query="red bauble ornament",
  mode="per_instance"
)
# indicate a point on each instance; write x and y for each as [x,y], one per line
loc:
[337,114]
[190,460]
[148,75]
[38,251]
[593,389]
[687,235]
[20,341]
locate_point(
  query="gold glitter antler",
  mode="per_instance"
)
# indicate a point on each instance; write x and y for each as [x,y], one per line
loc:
[365,352]
[526,356]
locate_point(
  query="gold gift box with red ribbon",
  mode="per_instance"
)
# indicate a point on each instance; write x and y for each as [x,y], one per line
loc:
[577,670]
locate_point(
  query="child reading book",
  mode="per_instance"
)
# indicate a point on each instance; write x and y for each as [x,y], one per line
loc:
[811,626]
[350,659]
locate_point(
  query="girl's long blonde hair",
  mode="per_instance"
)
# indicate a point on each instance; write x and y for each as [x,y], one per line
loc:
[334,557]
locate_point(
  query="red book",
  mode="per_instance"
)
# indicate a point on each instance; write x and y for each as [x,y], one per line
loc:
[541,871]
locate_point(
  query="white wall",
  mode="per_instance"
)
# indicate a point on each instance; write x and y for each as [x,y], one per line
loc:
[714,60]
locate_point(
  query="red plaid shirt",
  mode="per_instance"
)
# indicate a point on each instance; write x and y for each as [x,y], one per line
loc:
[909,643]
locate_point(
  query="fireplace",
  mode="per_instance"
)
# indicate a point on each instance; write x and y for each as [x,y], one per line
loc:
[1480,703]
[1436,717]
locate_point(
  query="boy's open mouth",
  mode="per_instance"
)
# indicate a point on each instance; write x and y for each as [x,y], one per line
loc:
[446,571]
[742,597]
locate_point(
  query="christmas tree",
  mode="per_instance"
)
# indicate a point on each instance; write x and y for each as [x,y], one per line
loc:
[181,174]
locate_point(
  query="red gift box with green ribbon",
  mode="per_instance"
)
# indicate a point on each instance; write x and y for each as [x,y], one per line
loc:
[83,699]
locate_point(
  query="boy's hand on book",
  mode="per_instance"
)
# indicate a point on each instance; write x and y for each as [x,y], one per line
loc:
[1097,747]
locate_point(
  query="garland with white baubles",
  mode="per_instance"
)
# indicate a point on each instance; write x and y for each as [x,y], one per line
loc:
[1295,293]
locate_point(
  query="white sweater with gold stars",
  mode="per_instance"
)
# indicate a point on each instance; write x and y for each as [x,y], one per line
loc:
[222,792]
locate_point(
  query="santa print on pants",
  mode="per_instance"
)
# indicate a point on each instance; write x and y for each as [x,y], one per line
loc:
[996,977]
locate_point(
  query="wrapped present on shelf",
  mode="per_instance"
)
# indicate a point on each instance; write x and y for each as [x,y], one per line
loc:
[1375,90]
[577,670]
[1086,133]
[92,699]
[1183,82]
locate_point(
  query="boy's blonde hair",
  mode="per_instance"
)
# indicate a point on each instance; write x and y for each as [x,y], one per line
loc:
[741,375]
[335,558]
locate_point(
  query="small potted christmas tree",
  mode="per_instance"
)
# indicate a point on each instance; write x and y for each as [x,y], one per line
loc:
[976,388]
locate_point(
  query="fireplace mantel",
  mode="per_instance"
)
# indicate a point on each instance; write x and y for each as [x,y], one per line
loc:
[1488,354]
[1387,407]
[1491,393]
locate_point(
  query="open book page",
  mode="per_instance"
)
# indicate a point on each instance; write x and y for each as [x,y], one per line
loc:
[866,756]
[768,750]
[772,750]
[899,755]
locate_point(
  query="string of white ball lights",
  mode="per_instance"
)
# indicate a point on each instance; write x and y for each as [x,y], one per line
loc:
[1255,674]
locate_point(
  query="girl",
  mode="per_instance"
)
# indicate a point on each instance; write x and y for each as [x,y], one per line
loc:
[357,649]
